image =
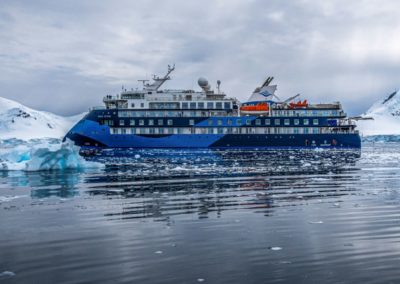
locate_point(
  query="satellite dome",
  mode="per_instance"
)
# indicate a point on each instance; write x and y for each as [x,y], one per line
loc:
[202,82]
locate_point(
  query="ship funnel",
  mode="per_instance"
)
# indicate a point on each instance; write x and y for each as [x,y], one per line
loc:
[203,83]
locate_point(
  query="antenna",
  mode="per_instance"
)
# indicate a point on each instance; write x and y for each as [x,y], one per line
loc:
[143,82]
[218,86]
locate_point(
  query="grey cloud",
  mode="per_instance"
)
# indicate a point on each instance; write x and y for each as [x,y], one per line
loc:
[64,56]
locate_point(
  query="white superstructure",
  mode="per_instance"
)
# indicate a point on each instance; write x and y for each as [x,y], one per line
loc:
[150,97]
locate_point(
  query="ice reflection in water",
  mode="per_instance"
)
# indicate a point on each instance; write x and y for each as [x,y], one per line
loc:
[164,216]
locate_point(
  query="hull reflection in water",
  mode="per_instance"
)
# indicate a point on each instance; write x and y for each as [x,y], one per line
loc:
[225,178]
[226,161]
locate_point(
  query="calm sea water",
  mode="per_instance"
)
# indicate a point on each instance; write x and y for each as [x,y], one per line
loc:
[207,216]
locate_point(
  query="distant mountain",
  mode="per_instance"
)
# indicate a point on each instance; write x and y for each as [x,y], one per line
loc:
[386,115]
[21,122]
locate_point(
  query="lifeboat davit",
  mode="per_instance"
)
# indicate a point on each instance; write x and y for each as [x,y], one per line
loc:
[259,108]
[299,104]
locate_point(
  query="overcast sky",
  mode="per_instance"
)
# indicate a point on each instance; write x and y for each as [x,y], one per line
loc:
[64,56]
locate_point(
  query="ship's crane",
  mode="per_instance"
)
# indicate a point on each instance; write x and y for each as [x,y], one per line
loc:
[290,99]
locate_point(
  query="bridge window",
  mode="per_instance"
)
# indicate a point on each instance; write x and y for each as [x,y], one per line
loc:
[210,105]
[227,105]
[218,105]
[200,105]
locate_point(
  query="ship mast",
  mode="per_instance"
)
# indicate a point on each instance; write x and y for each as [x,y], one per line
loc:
[157,81]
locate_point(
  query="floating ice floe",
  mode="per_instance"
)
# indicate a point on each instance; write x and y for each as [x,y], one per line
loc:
[42,155]
[315,222]
[7,274]
[275,248]
[10,198]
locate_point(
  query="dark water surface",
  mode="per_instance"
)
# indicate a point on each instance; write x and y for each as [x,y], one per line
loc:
[207,216]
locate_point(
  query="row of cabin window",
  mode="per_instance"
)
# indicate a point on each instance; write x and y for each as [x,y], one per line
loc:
[128,113]
[202,105]
[187,105]
[219,122]
[221,130]
[267,121]
[306,112]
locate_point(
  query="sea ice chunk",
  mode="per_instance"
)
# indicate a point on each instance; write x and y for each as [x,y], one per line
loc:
[275,248]
[7,274]
[43,155]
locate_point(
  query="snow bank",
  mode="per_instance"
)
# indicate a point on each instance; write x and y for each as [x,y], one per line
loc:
[41,155]
[386,115]
[19,121]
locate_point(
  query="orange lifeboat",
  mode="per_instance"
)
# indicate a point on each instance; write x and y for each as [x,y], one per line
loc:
[299,104]
[260,107]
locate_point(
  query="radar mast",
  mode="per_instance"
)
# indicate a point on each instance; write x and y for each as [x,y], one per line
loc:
[157,81]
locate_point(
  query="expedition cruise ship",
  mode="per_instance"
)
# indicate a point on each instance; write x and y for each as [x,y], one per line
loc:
[154,118]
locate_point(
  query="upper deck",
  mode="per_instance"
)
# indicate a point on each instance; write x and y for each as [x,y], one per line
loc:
[151,101]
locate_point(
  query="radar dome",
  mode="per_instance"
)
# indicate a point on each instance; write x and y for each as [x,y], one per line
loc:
[202,82]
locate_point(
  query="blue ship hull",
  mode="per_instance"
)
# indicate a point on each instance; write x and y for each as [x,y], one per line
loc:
[88,133]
